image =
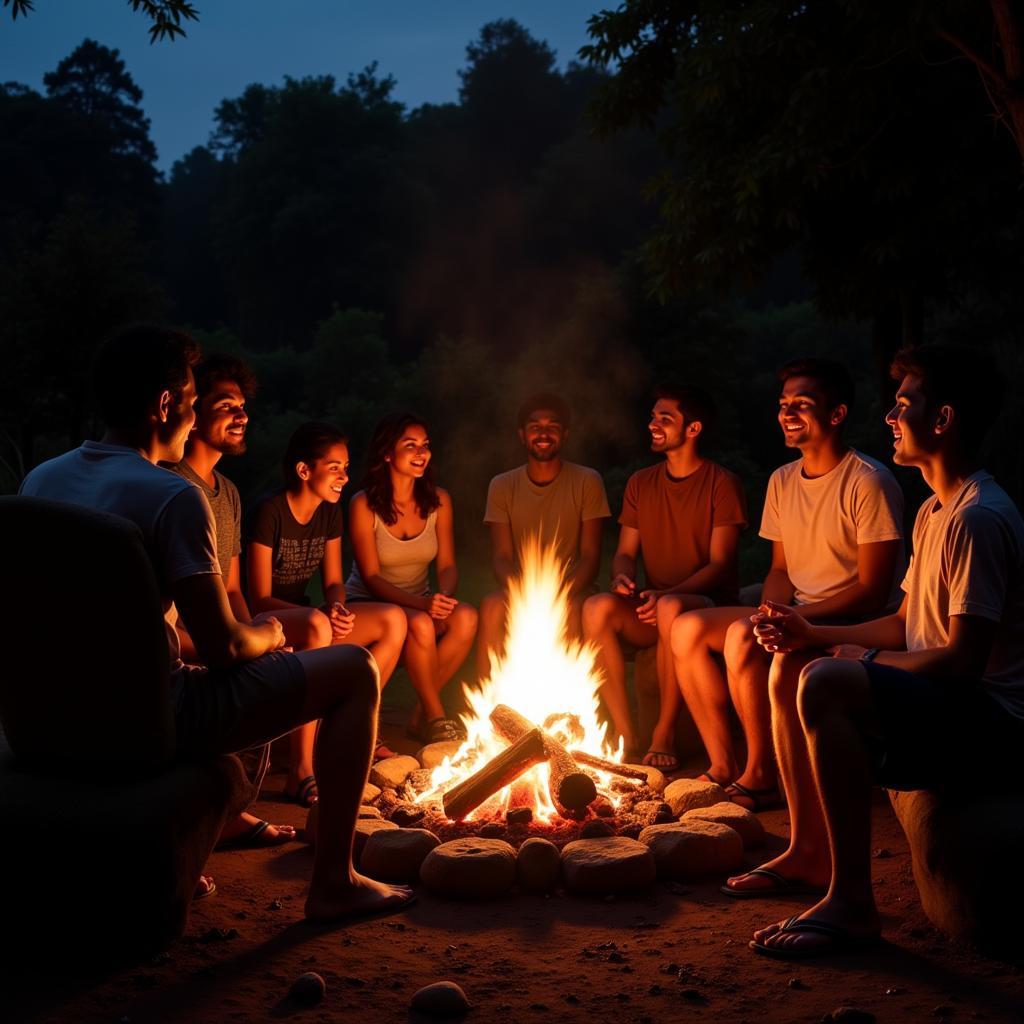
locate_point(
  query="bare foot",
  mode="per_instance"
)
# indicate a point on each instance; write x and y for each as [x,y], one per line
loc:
[859,926]
[797,872]
[363,897]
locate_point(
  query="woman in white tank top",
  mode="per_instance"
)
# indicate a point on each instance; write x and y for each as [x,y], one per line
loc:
[399,524]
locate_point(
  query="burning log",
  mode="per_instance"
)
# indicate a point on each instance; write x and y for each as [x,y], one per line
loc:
[526,750]
[622,770]
[571,789]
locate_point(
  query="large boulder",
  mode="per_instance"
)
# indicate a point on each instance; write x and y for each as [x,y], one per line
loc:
[686,794]
[538,865]
[611,865]
[470,868]
[395,855]
[964,849]
[739,819]
[393,771]
[693,848]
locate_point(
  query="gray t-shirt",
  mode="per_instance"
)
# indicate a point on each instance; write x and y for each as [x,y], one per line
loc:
[174,517]
[969,560]
[226,506]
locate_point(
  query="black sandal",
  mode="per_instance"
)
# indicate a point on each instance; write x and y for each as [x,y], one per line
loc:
[444,730]
[306,795]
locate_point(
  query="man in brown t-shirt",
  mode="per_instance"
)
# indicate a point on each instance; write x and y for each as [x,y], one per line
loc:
[684,516]
[559,502]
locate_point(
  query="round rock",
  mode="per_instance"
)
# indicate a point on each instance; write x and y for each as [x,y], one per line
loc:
[370,793]
[604,866]
[433,754]
[470,868]
[655,776]
[693,848]
[395,855]
[393,771]
[739,819]
[368,812]
[538,864]
[365,827]
[442,999]
[685,794]
[308,989]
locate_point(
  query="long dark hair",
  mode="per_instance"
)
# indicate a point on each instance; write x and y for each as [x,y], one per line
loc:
[309,443]
[379,493]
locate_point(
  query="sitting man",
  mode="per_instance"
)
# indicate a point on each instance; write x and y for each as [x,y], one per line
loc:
[944,673]
[252,690]
[684,515]
[560,502]
[835,520]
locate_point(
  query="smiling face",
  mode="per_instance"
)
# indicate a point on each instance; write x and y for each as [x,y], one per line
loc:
[411,454]
[913,424]
[222,419]
[667,426]
[543,435]
[804,413]
[179,417]
[327,476]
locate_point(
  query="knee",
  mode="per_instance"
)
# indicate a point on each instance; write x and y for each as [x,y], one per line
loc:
[687,632]
[464,620]
[740,641]
[668,609]
[492,610]
[395,622]
[421,628]
[784,677]
[597,611]
[360,676]
[320,632]
[817,690]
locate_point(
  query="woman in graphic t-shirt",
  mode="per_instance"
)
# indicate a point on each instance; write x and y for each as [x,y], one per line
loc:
[400,524]
[291,536]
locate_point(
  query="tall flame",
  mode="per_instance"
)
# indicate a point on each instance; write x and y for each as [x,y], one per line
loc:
[544,674]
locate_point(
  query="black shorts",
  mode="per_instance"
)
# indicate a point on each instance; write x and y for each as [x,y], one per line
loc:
[223,711]
[941,733]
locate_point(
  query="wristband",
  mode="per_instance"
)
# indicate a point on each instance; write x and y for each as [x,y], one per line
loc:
[870,654]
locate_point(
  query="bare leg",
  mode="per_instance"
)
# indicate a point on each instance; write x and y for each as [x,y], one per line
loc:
[806,860]
[491,636]
[380,628]
[606,617]
[454,644]
[835,707]
[747,667]
[420,658]
[663,737]
[696,638]
[342,689]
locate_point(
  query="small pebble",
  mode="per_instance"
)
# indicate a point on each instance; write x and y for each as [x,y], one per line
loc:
[308,988]
[882,853]
[654,990]
[796,983]
[895,991]
[519,816]
[574,999]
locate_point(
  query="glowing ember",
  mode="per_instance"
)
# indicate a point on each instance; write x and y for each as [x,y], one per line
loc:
[547,677]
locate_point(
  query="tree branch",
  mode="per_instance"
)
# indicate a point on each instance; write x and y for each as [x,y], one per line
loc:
[976,58]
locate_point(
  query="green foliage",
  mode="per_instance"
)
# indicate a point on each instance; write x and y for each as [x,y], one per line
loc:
[165,16]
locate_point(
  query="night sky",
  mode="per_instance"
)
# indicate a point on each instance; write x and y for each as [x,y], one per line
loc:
[237,42]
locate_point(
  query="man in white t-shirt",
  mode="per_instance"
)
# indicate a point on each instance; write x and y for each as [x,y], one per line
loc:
[945,671]
[835,520]
[252,691]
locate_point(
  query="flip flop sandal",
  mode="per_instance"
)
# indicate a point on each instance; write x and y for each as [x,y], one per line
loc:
[306,794]
[763,799]
[673,761]
[444,730]
[255,838]
[781,886]
[840,940]
[711,778]
[202,894]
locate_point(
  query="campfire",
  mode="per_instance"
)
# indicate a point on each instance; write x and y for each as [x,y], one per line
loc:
[536,747]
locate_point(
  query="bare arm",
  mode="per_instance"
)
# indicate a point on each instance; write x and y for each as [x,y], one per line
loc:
[236,598]
[777,585]
[624,561]
[261,579]
[220,639]
[964,657]
[447,571]
[781,628]
[330,572]
[590,555]
[503,552]
[876,564]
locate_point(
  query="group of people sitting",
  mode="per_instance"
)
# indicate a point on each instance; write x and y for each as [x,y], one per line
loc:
[839,680]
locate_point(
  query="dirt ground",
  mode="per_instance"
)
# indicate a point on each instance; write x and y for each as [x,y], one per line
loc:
[675,953]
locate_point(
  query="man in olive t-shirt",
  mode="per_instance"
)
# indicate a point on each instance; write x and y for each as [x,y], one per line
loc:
[559,502]
[684,516]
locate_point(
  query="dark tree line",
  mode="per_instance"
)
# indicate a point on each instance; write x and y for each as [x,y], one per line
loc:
[721,187]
